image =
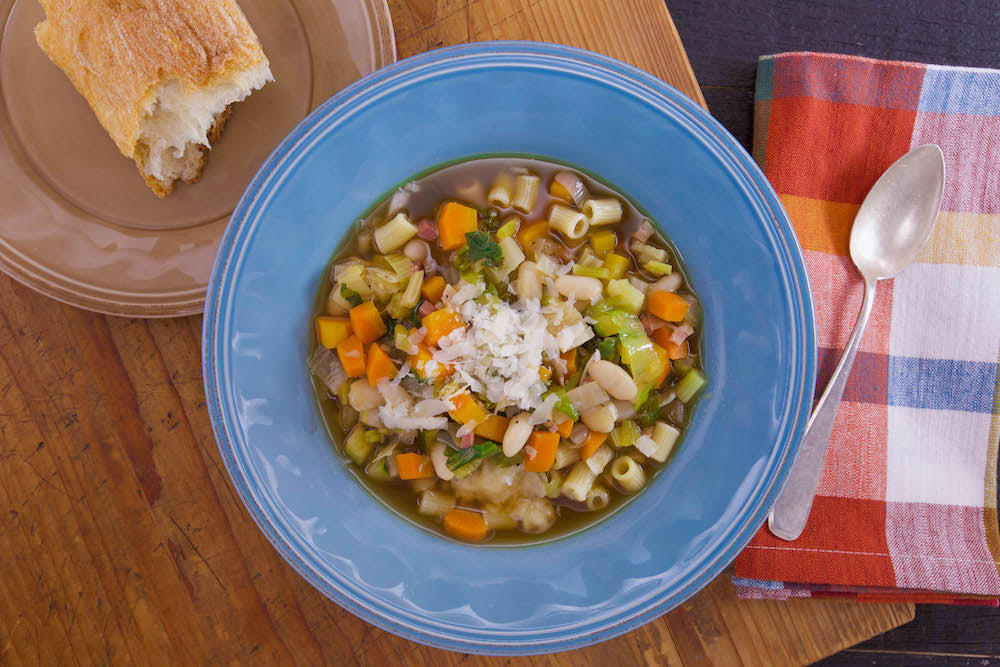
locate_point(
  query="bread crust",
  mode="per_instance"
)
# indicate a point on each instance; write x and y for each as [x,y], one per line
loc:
[117,53]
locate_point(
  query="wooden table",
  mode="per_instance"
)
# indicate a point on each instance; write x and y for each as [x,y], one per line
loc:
[124,541]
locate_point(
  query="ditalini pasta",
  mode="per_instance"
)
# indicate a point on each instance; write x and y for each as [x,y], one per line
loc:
[506,349]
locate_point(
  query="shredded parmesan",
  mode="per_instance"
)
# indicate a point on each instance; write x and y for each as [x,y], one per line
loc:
[503,346]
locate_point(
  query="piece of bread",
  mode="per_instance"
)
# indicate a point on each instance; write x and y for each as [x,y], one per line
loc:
[161,75]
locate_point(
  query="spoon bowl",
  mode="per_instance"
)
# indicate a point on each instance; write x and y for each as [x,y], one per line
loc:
[898,214]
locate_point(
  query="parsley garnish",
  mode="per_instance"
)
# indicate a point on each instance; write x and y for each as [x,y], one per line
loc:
[481,246]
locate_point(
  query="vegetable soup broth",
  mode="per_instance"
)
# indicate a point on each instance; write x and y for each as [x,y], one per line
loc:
[539,509]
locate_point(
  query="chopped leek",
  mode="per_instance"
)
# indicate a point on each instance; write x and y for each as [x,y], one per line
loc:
[628,296]
[690,385]
[608,347]
[625,434]
[563,404]
[359,444]
[658,268]
[508,229]
[590,272]
[638,352]
[411,295]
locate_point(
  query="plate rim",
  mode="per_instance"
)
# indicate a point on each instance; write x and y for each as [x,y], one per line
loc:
[26,271]
[649,89]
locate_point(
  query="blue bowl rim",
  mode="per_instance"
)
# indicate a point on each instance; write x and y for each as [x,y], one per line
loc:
[652,91]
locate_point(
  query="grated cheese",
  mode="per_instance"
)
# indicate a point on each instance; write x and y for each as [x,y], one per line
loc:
[500,351]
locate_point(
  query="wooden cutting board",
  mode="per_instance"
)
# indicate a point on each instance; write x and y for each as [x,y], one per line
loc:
[124,542]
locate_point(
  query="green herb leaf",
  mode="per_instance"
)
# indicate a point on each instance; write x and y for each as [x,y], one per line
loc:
[649,412]
[464,457]
[489,219]
[481,246]
[350,295]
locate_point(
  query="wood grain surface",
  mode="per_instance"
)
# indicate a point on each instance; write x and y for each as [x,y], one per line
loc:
[124,542]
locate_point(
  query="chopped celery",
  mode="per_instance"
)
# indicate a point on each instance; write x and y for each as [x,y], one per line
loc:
[589,272]
[690,385]
[359,444]
[625,434]
[616,264]
[400,264]
[658,268]
[629,297]
[603,241]
[508,229]
[412,292]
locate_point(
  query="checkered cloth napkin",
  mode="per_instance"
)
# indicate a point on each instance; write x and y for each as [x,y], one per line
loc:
[907,502]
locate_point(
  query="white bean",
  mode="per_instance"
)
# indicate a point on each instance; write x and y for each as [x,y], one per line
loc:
[362,396]
[600,419]
[614,380]
[517,434]
[416,250]
[579,287]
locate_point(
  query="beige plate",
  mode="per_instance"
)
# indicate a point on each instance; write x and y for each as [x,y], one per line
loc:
[78,223]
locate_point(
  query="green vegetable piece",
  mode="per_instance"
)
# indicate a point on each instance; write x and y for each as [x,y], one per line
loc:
[690,385]
[350,295]
[507,230]
[622,292]
[481,246]
[637,352]
[467,469]
[608,347]
[463,457]
[563,404]
[648,412]
[658,268]
[359,444]
[428,439]
[625,434]
[378,470]
[600,273]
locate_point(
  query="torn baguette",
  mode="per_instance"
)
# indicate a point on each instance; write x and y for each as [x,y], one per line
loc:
[161,75]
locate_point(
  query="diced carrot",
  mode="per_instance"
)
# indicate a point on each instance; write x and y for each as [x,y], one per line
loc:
[667,306]
[467,409]
[493,427]
[465,525]
[419,361]
[380,366]
[414,466]
[367,322]
[569,356]
[330,331]
[433,288]
[454,222]
[674,350]
[531,233]
[540,451]
[352,356]
[557,189]
[592,444]
[664,361]
[564,428]
[439,324]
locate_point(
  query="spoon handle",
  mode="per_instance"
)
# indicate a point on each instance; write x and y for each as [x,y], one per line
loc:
[789,515]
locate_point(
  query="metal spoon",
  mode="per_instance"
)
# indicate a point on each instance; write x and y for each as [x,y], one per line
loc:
[889,230]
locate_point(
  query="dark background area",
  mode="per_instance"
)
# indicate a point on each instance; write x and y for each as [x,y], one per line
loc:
[724,39]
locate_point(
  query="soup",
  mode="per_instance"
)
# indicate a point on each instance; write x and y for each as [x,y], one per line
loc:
[506,349]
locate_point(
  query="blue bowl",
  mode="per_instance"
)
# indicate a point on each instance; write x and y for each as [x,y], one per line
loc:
[657,147]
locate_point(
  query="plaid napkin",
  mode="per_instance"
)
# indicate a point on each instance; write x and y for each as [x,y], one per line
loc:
[907,502]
